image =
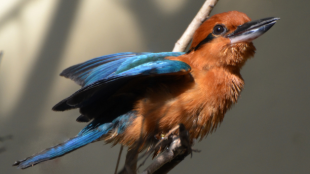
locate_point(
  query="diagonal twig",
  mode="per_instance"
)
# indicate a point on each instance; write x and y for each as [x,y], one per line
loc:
[201,16]
[118,159]
[131,161]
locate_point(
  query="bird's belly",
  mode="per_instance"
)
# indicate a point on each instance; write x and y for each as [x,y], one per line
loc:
[200,109]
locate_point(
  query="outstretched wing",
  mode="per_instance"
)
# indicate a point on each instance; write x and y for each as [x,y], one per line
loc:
[107,76]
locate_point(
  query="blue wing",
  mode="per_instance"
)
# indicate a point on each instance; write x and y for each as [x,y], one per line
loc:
[144,65]
[101,67]
[102,77]
[80,72]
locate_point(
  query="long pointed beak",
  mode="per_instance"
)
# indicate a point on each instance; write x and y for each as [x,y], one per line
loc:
[251,30]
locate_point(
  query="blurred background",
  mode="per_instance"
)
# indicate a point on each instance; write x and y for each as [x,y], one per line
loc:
[266,132]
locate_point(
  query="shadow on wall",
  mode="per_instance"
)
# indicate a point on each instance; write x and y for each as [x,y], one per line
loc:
[34,94]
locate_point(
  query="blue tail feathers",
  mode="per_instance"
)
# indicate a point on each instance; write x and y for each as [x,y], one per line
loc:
[68,146]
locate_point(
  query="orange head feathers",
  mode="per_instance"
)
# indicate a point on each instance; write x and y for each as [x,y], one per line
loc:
[217,43]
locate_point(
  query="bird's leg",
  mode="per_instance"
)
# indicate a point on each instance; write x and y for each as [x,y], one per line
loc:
[185,141]
[164,138]
[179,148]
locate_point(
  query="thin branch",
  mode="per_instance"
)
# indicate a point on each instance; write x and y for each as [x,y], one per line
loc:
[130,166]
[177,151]
[118,159]
[131,161]
[201,16]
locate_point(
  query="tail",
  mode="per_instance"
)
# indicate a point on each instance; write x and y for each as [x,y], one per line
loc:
[82,139]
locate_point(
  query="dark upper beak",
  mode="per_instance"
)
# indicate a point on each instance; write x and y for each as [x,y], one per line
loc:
[251,30]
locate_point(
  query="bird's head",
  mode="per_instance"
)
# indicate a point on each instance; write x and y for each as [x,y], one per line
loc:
[225,39]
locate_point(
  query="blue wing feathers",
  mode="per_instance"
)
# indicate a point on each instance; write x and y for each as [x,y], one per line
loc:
[120,123]
[99,68]
[102,71]
[80,72]
[117,72]
[157,67]
[115,81]
[146,58]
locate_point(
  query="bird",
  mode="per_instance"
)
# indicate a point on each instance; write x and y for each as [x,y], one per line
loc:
[129,97]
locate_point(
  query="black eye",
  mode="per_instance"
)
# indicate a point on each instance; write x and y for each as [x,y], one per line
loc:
[219,29]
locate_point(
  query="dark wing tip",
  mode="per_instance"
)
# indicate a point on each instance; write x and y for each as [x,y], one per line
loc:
[21,166]
[63,106]
[64,73]
[83,119]
[16,163]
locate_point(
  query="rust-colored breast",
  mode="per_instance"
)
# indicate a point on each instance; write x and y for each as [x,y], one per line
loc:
[199,104]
